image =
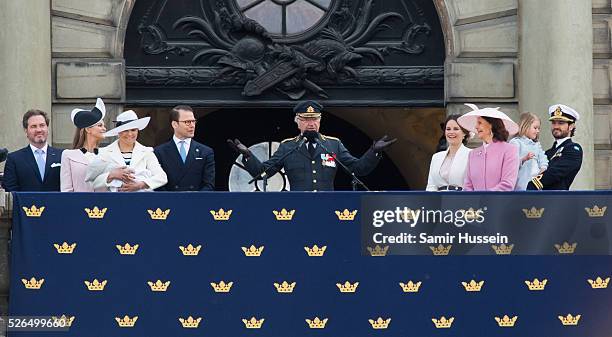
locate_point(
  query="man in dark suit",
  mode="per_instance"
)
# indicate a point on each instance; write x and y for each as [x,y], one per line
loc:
[310,164]
[565,156]
[189,165]
[36,167]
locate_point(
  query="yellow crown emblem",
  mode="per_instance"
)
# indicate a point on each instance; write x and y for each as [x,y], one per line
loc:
[470,214]
[65,248]
[379,323]
[346,215]
[566,248]
[316,323]
[410,287]
[63,321]
[310,109]
[443,323]
[190,322]
[253,323]
[158,214]
[222,287]
[378,250]
[569,319]
[33,211]
[252,251]
[503,249]
[599,283]
[347,287]
[96,213]
[440,250]
[190,250]
[283,214]
[96,285]
[536,285]
[596,212]
[315,250]
[221,214]
[126,321]
[506,322]
[533,213]
[558,112]
[284,287]
[159,286]
[473,286]
[33,283]
[127,249]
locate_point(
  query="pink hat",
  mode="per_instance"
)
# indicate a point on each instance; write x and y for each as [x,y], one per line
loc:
[468,121]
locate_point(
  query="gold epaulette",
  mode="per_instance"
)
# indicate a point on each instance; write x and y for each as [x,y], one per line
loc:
[537,183]
[324,137]
[290,139]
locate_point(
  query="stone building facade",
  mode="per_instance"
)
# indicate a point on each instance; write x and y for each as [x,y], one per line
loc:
[521,55]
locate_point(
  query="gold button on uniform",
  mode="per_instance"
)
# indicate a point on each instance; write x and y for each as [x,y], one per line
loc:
[314,181]
[312,162]
[314,171]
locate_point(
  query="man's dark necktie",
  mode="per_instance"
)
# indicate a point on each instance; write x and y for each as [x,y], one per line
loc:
[311,150]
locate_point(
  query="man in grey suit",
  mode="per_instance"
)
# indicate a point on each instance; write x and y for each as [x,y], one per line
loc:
[310,159]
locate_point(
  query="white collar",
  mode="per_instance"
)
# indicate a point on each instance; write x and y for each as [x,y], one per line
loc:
[561,141]
[177,140]
[44,148]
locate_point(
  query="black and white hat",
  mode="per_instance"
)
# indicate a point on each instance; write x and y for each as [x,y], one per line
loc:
[86,118]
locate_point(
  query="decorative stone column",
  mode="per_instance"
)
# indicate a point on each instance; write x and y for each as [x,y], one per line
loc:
[556,66]
[25,65]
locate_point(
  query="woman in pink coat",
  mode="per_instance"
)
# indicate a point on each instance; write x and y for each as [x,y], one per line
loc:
[494,165]
[89,133]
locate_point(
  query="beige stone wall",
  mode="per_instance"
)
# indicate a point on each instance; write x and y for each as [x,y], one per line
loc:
[602,92]
[87,59]
[24,66]
[482,66]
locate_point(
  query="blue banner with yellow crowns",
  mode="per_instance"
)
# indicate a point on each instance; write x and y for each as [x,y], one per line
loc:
[278,264]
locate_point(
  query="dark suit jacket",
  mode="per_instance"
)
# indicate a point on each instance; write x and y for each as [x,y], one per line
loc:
[564,162]
[21,172]
[196,174]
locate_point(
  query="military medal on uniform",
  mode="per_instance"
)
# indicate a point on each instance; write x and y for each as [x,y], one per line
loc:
[327,160]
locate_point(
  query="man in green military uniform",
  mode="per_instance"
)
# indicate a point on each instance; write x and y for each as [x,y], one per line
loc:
[310,159]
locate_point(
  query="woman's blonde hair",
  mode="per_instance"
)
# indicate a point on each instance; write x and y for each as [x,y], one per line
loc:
[526,120]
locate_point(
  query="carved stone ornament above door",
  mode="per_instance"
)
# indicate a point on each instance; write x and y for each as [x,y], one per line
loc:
[285,50]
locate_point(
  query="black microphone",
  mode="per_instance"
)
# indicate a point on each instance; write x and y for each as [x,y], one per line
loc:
[303,139]
[311,136]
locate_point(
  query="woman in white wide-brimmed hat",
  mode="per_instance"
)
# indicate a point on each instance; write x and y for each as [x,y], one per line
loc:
[145,173]
[494,165]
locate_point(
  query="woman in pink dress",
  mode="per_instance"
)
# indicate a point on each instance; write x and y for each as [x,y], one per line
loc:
[494,165]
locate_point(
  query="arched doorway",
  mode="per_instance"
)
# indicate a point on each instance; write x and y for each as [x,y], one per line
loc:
[377,66]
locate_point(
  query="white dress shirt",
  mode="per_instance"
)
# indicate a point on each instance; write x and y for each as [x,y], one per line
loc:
[44,150]
[178,145]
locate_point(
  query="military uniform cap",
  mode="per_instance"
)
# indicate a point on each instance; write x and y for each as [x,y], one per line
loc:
[564,113]
[308,109]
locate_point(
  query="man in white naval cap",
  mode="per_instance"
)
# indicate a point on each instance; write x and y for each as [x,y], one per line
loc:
[565,156]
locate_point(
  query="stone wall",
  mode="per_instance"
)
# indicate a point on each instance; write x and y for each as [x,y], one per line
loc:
[87,59]
[482,66]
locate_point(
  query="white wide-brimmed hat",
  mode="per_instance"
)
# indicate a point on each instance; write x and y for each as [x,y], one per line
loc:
[470,119]
[128,120]
[86,118]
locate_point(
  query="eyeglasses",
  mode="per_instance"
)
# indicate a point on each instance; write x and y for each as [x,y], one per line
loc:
[189,122]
